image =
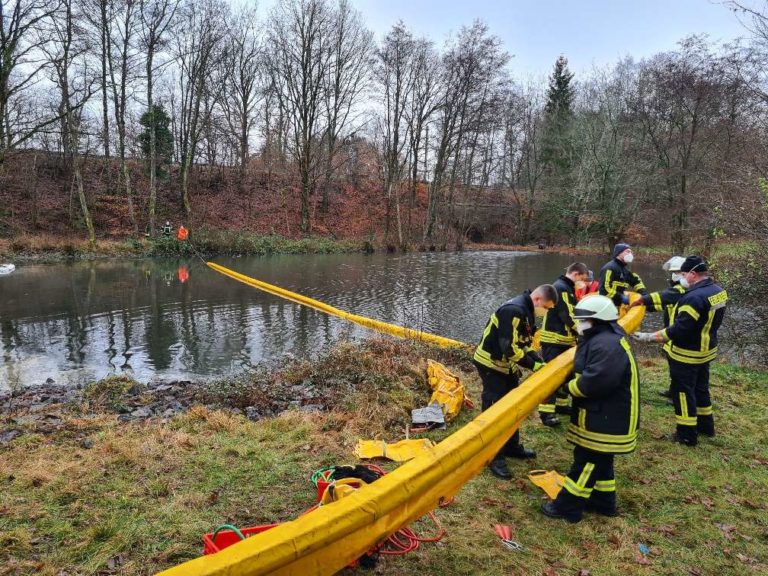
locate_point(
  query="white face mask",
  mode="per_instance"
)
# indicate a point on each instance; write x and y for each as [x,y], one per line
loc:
[628,258]
[677,277]
[584,325]
[684,282]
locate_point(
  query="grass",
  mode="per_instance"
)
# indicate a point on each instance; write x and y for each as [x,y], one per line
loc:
[142,496]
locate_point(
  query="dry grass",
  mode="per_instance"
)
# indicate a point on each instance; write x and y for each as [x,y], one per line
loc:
[142,496]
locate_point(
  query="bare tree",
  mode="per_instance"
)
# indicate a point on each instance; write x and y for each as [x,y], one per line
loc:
[350,47]
[122,60]
[198,38]
[66,52]
[21,67]
[394,73]
[242,79]
[299,62]
[156,16]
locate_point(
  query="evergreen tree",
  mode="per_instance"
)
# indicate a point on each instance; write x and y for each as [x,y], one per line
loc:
[163,136]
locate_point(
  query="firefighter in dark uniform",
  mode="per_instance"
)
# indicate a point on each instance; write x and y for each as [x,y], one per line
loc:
[665,300]
[616,278]
[691,344]
[504,349]
[558,334]
[605,415]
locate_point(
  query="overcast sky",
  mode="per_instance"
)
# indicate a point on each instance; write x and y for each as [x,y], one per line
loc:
[535,32]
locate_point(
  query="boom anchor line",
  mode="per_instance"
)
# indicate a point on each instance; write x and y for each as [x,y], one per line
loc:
[330,537]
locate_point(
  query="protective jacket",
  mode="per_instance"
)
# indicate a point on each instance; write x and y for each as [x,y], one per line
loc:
[616,278]
[606,400]
[508,337]
[697,316]
[559,326]
[664,301]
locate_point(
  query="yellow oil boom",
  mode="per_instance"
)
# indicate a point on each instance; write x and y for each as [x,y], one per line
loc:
[330,537]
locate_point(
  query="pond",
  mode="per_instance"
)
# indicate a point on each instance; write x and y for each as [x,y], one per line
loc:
[179,320]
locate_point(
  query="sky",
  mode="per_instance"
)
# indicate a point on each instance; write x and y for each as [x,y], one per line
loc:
[536,32]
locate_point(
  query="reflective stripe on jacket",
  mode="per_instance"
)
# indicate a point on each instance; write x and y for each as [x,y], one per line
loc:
[558,326]
[697,316]
[616,278]
[606,397]
[664,301]
[508,336]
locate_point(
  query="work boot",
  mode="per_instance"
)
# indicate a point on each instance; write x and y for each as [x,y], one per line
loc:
[708,431]
[519,451]
[675,437]
[498,468]
[602,510]
[666,393]
[550,420]
[550,509]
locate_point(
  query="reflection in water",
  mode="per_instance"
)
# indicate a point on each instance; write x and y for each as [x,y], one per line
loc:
[180,320]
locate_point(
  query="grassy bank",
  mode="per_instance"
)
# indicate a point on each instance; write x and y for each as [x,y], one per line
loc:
[44,248]
[101,498]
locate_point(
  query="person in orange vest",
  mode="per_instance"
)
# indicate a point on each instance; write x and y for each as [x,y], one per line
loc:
[182,233]
[589,287]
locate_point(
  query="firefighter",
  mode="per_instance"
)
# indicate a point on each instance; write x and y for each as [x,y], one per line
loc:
[605,415]
[558,334]
[691,344]
[167,229]
[615,277]
[665,300]
[505,348]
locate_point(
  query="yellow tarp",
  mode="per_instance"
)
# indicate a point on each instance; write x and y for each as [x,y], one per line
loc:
[548,480]
[401,451]
[448,391]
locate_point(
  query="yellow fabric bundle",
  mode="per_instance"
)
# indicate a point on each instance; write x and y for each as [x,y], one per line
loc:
[447,389]
[399,451]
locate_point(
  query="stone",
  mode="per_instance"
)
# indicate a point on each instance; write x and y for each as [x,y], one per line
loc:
[141,413]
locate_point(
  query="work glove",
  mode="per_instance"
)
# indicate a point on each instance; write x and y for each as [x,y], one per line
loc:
[624,299]
[645,337]
[538,366]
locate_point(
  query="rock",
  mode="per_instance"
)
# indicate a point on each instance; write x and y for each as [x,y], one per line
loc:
[50,381]
[169,413]
[252,413]
[134,390]
[86,444]
[124,418]
[141,413]
[9,435]
[312,408]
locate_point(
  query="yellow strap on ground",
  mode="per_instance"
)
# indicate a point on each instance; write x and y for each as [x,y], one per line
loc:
[330,537]
[392,329]
[397,451]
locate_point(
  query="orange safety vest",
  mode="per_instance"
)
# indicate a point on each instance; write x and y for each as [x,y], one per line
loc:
[183,233]
[588,289]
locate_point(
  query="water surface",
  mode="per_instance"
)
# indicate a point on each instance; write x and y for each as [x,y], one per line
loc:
[74,323]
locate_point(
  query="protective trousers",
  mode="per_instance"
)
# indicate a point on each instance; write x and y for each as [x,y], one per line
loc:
[693,404]
[495,386]
[590,483]
[558,401]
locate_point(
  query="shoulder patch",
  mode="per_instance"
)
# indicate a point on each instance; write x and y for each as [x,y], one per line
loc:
[718,299]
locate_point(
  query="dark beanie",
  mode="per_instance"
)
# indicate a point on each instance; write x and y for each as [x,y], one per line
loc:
[694,264]
[619,248]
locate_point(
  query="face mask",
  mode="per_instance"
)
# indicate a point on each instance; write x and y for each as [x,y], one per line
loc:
[677,277]
[583,326]
[684,282]
[540,312]
[628,258]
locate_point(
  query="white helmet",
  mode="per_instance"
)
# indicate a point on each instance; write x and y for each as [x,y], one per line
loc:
[596,307]
[673,264]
